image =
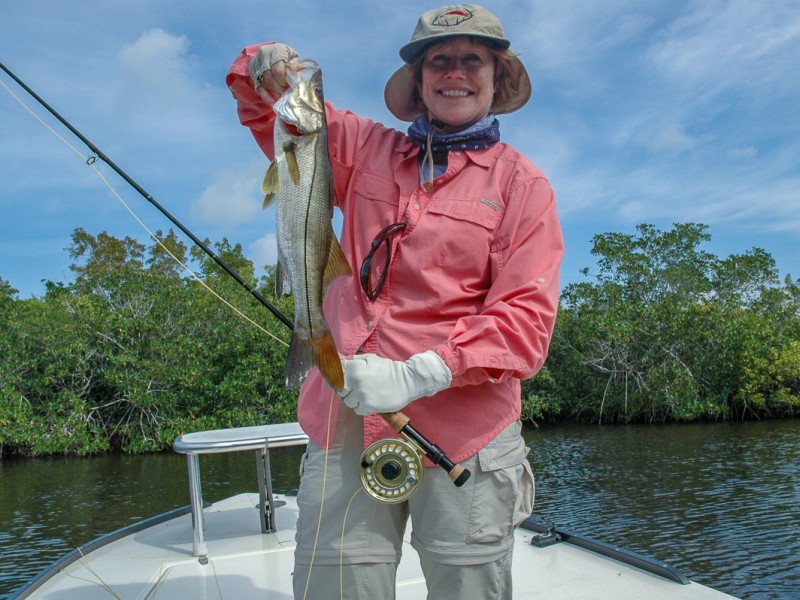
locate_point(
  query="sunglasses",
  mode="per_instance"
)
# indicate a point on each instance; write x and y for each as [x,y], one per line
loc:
[373,276]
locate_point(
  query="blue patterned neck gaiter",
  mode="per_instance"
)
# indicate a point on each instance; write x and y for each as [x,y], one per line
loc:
[434,145]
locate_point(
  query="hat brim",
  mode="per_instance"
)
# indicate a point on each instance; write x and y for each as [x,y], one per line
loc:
[410,50]
[399,93]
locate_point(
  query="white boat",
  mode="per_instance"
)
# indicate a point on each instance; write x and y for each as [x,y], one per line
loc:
[243,547]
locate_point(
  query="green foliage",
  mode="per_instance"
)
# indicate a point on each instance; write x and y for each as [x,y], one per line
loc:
[669,332]
[134,351]
[772,383]
[540,397]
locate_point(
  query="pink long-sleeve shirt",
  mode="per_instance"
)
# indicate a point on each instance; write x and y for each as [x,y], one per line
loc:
[473,276]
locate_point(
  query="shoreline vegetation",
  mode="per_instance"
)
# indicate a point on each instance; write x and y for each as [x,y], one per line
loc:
[134,352]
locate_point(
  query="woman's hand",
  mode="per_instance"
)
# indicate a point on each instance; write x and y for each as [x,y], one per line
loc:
[373,384]
[268,70]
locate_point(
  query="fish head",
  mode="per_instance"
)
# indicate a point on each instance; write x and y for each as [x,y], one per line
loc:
[302,107]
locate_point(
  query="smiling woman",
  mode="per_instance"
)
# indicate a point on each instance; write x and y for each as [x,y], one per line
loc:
[463,308]
[457,83]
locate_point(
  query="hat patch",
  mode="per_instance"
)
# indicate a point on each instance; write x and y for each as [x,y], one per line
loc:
[452,18]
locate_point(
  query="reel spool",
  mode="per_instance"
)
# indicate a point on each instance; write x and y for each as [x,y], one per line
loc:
[391,470]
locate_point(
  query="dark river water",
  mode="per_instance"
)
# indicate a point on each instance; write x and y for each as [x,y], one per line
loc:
[721,502]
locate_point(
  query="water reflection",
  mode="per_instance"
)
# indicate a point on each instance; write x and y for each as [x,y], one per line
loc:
[718,501]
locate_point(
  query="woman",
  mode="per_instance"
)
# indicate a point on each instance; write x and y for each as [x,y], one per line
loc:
[465,310]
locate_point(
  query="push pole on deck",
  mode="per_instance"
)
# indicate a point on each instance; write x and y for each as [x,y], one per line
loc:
[397,420]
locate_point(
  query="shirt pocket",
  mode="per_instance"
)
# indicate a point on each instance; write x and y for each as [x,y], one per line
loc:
[375,204]
[464,229]
[372,188]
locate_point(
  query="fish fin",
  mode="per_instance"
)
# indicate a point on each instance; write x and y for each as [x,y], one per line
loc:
[307,353]
[327,359]
[299,361]
[270,184]
[337,263]
[291,162]
[282,282]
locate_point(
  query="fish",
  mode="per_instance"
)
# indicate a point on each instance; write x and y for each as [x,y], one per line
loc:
[300,184]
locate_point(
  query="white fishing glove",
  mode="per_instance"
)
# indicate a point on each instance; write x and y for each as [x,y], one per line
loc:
[373,384]
[268,68]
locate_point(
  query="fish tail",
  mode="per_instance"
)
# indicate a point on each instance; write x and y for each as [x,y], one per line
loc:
[307,353]
[299,361]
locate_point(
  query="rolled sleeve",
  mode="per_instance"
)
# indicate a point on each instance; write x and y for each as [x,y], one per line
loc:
[510,336]
[253,112]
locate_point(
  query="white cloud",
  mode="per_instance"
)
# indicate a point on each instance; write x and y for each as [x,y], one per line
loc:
[570,34]
[230,200]
[161,93]
[157,61]
[731,45]
[264,251]
[672,139]
[636,212]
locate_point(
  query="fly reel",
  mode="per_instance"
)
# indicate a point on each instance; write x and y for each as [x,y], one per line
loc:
[391,470]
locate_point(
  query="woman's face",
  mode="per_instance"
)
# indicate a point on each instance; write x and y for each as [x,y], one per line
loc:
[457,84]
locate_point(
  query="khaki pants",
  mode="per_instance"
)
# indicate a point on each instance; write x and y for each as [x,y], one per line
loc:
[464,536]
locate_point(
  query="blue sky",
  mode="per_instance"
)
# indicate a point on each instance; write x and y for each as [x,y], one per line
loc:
[656,112]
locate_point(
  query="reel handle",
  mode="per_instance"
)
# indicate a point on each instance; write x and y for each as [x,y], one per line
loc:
[402,424]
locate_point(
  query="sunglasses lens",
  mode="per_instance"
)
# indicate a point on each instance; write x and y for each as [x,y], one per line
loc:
[373,269]
[380,262]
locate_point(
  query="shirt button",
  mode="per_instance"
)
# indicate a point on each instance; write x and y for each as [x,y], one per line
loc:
[416,205]
[458,153]
[369,325]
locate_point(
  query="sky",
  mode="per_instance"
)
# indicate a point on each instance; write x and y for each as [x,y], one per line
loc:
[658,112]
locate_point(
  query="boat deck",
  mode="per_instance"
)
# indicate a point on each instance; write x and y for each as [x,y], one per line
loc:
[154,560]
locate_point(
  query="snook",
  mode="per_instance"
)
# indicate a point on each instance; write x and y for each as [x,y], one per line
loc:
[309,255]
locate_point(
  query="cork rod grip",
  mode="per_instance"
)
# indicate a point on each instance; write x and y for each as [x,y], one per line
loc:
[402,424]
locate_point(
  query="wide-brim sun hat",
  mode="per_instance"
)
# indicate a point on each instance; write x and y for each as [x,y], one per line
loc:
[436,26]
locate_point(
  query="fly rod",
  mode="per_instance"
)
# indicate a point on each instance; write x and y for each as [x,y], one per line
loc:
[399,422]
[102,156]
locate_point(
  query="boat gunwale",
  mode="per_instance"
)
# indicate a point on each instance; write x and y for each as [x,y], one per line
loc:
[628,557]
[73,556]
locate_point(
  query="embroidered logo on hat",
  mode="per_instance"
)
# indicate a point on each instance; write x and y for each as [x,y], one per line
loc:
[452,18]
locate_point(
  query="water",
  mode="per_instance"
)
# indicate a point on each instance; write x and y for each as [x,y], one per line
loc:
[721,502]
